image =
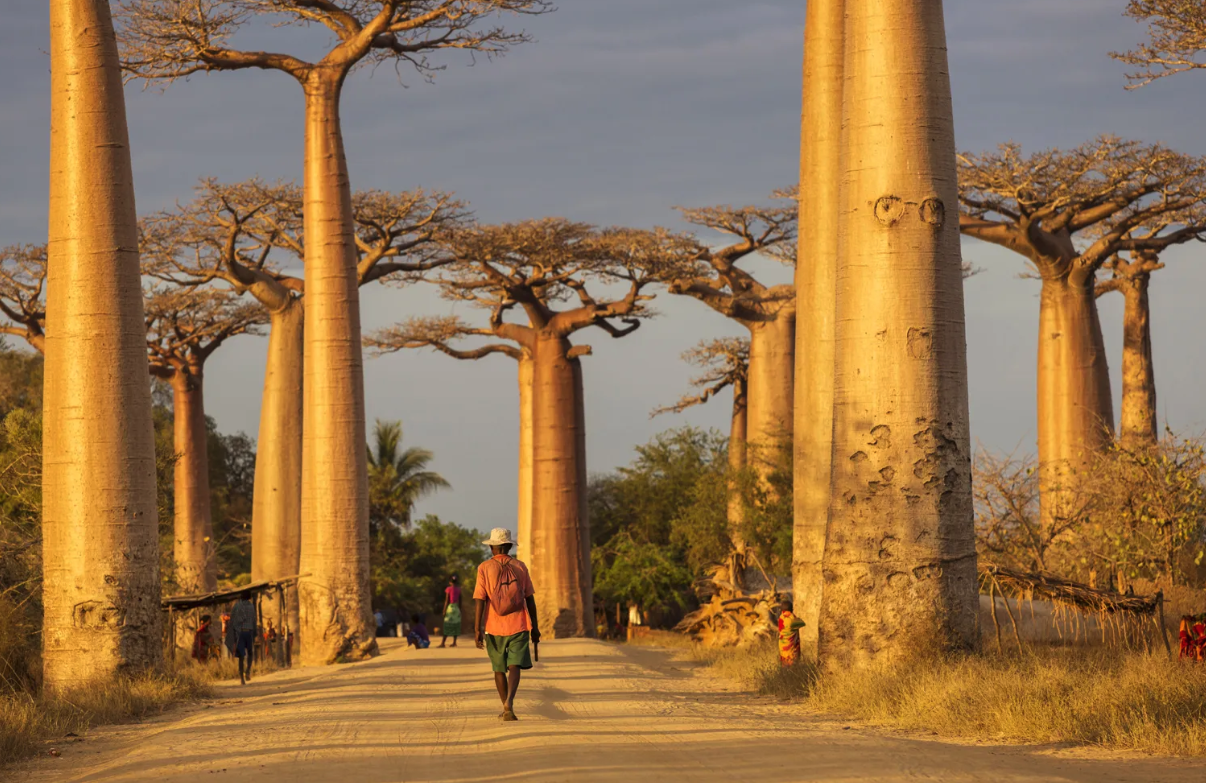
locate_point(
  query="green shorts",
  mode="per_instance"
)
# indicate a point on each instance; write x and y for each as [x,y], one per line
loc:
[507,651]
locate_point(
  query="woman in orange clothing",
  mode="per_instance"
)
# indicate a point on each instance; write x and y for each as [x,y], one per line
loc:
[789,635]
[1199,637]
[1185,632]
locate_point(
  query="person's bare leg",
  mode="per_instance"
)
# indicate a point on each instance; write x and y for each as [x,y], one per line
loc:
[444,641]
[512,688]
[500,682]
[453,642]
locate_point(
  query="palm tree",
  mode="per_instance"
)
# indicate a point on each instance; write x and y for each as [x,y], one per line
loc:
[397,480]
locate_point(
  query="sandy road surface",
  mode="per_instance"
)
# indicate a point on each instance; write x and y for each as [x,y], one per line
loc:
[588,712]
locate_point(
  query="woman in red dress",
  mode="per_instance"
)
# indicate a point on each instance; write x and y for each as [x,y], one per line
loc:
[1186,634]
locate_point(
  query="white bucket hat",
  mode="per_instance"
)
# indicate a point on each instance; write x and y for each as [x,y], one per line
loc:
[498,537]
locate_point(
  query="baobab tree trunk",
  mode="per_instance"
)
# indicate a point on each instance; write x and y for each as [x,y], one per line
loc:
[100,525]
[560,567]
[524,518]
[335,612]
[816,276]
[193,546]
[276,505]
[771,380]
[900,557]
[738,435]
[1138,421]
[586,576]
[1075,410]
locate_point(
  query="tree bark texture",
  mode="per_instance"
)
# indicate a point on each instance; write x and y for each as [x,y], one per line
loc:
[276,505]
[771,381]
[335,611]
[193,545]
[900,557]
[738,436]
[559,561]
[1138,421]
[523,522]
[1075,409]
[100,523]
[816,280]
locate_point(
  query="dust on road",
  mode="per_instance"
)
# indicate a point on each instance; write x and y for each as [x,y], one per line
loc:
[588,712]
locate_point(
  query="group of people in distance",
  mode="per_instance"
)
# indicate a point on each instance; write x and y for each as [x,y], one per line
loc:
[1193,637]
[419,638]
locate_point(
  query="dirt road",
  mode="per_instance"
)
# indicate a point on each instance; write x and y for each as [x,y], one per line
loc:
[589,712]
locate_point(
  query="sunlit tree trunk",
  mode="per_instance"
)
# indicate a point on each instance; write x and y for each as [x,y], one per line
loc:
[193,546]
[524,519]
[276,505]
[100,537]
[1075,409]
[559,564]
[586,567]
[1138,421]
[771,381]
[816,273]
[738,435]
[900,557]
[335,612]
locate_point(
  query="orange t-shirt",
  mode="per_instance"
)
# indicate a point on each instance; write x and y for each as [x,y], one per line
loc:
[489,574]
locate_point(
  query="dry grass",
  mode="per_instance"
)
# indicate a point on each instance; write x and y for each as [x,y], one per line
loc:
[1115,699]
[30,724]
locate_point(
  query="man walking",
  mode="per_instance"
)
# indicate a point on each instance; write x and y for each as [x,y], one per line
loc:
[506,617]
[243,621]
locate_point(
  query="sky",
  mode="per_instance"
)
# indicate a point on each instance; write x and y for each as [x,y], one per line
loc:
[619,111]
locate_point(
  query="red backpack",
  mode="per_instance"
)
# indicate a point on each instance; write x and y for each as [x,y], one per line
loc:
[508,598]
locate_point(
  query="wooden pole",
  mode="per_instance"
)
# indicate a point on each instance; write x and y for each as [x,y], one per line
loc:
[1160,620]
[1016,635]
[992,598]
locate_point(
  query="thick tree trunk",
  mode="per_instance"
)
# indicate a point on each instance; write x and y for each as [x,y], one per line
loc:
[1138,421]
[335,612]
[193,545]
[586,576]
[276,506]
[816,276]
[738,437]
[771,380]
[1075,410]
[559,561]
[900,556]
[100,524]
[524,518]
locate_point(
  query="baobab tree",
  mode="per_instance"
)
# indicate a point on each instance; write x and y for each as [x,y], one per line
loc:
[164,40]
[22,293]
[900,557]
[1068,213]
[726,364]
[249,236]
[1176,39]
[816,295]
[184,328]
[767,311]
[1132,277]
[552,271]
[100,548]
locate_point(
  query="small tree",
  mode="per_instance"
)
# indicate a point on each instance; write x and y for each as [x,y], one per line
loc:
[726,364]
[398,477]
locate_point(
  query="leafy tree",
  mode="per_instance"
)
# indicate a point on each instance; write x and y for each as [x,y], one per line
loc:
[647,573]
[410,568]
[398,477]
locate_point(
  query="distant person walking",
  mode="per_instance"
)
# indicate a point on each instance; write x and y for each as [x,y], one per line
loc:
[452,612]
[243,623]
[504,591]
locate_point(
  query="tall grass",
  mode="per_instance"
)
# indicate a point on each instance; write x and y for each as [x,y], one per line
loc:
[1115,699]
[28,723]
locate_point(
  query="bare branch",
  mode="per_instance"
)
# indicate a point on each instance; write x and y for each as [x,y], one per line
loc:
[1176,39]
[726,363]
